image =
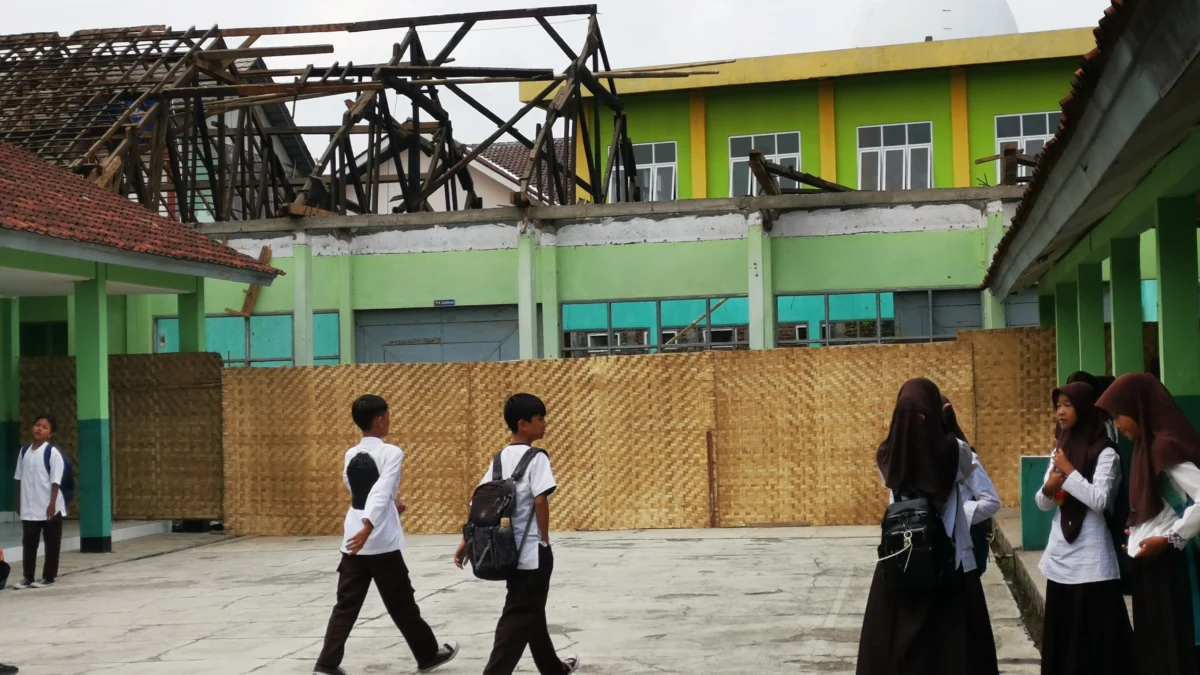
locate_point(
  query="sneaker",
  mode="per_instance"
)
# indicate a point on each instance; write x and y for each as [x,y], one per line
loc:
[570,665]
[8,670]
[42,583]
[322,670]
[25,583]
[444,655]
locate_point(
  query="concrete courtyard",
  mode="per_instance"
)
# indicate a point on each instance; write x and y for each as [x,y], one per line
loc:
[703,601]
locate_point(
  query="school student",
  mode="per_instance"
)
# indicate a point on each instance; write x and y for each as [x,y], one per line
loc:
[946,631]
[1099,385]
[1164,482]
[42,505]
[1086,627]
[980,500]
[372,549]
[523,621]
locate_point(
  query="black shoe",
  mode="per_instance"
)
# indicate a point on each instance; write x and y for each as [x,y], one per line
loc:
[8,670]
[444,655]
[570,665]
[322,670]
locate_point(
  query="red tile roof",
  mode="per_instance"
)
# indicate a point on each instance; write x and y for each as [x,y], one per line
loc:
[512,157]
[1087,77]
[40,198]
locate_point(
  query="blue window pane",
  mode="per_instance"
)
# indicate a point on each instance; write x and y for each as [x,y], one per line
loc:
[852,307]
[592,316]
[630,315]
[1150,300]
[166,339]
[226,335]
[325,335]
[800,309]
[271,336]
[678,313]
[270,364]
[887,306]
[734,312]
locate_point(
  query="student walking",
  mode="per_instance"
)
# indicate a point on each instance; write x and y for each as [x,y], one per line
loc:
[523,621]
[979,497]
[945,631]
[40,474]
[1164,483]
[372,549]
[1086,627]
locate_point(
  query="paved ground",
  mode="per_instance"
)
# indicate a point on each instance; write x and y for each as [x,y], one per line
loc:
[705,601]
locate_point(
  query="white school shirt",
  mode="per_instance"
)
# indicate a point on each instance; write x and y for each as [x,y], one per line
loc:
[954,518]
[979,497]
[388,535]
[1091,557]
[36,482]
[1186,479]
[538,480]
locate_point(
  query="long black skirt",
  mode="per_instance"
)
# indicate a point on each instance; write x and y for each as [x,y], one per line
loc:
[947,632]
[1164,642]
[1086,630]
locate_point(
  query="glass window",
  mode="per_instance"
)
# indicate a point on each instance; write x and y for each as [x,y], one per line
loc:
[894,135]
[919,169]
[633,327]
[1008,126]
[740,146]
[325,337]
[782,149]
[870,137]
[887,317]
[1029,133]
[920,133]
[906,163]
[656,173]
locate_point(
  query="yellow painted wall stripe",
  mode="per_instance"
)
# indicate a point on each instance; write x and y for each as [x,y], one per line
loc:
[959,127]
[828,126]
[699,146]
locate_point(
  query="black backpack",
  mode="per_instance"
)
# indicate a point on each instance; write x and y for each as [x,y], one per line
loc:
[916,553]
[67,485]
[492,547]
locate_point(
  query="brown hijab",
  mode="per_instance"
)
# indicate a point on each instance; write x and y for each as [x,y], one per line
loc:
[1082,445]
[952,420]
[1167,439]
[920,456]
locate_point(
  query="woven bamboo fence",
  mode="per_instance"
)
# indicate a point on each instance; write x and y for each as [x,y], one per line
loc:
[165,430]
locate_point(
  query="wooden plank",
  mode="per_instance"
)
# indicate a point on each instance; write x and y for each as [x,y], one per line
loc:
[759,168]
[261,52]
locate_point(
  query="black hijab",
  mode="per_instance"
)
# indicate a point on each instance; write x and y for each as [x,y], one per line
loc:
[1082,444]
[952,420]
[919,458]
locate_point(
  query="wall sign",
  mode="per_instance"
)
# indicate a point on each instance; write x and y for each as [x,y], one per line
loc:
[443,303]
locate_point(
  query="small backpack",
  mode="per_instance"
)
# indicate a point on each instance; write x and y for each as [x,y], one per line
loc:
[916,553]
[361,473]
[67,485]
[491,547]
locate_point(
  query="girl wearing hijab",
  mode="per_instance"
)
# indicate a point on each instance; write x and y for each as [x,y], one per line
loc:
[1164,482]
[1099,385]
[1086,627]
[979,497]
[942,632]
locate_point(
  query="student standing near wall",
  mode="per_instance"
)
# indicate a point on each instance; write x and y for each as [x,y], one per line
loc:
[979,497]
[40,473]
[1164,484]
[944,631]
[1087,629]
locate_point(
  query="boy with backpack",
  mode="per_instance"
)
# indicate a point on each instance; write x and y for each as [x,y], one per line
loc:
[373,541]
[508,537]
[42,472]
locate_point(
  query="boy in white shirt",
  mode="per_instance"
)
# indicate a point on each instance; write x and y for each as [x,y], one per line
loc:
[373,541]
[42,505]
[523,621]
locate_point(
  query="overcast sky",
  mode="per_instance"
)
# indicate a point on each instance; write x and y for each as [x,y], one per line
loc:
[636,32]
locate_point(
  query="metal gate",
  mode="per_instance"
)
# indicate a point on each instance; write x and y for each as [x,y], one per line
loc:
[437,335]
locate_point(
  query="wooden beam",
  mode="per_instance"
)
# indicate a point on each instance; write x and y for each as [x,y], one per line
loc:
[765,180]
[259,52]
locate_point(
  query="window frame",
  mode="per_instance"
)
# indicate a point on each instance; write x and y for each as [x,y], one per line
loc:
[776,158]
[617,346]
[881,151]
[653,166]
[823,338]
[1023,139]
[249,361]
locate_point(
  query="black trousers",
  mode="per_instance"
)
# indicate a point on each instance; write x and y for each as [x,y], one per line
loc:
[390,574]
[524,622]
[34,532]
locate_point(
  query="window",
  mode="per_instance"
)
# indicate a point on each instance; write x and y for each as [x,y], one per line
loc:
[878,317]
[647,326]
[896,157]
[260,341]
[1027,133]
[782,149]
[656,173]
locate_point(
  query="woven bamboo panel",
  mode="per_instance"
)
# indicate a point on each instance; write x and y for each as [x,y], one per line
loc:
[1015,372]
[48,387]
[166,436]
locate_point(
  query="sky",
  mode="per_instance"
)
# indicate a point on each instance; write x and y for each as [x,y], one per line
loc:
[636,33]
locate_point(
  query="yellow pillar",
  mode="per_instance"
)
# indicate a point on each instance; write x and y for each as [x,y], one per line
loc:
[827,122]
[699,137]
[959,127]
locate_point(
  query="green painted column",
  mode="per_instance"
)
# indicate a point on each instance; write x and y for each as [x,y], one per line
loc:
[1090,307]
[762,287]
[1126,291]
[302,301]
[993,311]
[139,325]
[10,400]
[91,387]
[1178,296]
[527,292]
[993,307]
[1046,310]
[345,272]
[547,278]
[191,320]
[72,326]
[1066,314]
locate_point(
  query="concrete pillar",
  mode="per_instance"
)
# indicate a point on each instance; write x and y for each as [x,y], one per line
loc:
[527,292]
[345,268]
[139,325]
[1046,309]
[302,291]
[72,327]
[762,288]
[191,320]
[1066,315]
[1178,296]
[10,405]
[1090,293]
[1126,291]
[91,386]
[993,311]
[547,282]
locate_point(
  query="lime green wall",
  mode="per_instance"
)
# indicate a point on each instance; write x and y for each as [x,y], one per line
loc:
[760,110]
[418,279]
[1007,89]
[869,100]
[652,270]
[655,118]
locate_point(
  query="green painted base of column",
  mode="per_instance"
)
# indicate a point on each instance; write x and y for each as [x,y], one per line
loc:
[1035,523]
[10,448]
[94,483]
[1191,408]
